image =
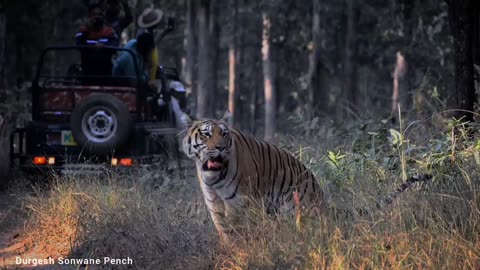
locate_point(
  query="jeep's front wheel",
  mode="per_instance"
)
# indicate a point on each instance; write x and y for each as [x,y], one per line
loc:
[100,123]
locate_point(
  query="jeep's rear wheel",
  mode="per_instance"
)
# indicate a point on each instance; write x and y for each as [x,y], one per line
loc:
[100,123]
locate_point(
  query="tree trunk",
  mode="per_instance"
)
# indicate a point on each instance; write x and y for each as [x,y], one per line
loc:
[461,19]
[204,86]
[268,79]
[188,61]
[246,59]
[409,55]
[317,100]
[213,33]
[4,151]
[476,45]
[398,74]
[350,65]
[3,41]
[232,64]
[4,129]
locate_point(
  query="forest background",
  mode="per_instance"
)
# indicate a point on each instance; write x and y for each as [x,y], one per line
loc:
[270,61]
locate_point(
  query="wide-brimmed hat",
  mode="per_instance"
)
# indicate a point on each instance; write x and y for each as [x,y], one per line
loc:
[150,17]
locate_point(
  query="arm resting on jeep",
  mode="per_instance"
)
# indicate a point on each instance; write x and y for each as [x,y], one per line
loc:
[81,37]
[108,38]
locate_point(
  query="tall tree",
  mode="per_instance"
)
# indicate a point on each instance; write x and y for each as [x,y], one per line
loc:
[398,74]
[4,151]
[268,78]
[408,81]
[461,19]
[188,61]
[233,63]
[4,128]
[476,43]
[214,47]
[3,41]
[248,62]
[316,93]
[350,64]
[206,65]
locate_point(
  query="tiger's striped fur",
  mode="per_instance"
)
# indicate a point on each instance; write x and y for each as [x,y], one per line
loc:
[235,170]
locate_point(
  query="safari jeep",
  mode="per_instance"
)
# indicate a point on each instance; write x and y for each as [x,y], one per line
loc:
[84,118]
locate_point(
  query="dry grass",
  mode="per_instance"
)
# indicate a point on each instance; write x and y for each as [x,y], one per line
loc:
[396,239]
[161,222]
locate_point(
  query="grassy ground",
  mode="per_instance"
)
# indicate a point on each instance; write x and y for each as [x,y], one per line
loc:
[160,221]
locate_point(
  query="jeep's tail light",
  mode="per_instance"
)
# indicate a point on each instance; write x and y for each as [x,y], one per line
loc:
[114,161]
[39,160]
[127,162]
[51,161]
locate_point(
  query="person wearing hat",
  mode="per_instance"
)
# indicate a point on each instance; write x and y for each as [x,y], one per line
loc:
[151,20]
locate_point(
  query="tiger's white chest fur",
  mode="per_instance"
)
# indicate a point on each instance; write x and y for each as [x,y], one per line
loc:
[216,189]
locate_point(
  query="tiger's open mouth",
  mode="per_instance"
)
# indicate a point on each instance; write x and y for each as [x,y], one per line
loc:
[214,164]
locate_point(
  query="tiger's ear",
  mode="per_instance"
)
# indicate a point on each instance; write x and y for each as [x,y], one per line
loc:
[227,117]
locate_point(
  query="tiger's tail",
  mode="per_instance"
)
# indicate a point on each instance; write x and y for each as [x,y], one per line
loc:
[387,200]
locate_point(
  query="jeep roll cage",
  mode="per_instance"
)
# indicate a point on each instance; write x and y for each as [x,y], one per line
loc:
[37,89]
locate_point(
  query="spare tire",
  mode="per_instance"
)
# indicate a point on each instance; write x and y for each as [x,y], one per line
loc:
[101,123]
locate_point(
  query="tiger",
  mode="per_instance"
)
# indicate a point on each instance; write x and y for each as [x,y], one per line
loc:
[235,170]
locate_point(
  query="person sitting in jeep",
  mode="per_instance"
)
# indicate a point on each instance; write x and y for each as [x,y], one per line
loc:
[94,35]
[117,15]
[150,21]
[142,48]
[153,21]
[95,32]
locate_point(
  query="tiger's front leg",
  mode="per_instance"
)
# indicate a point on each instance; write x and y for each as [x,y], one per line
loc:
[221,217]
[229,219]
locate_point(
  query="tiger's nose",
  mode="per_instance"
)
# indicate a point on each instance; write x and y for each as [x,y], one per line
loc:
[220,148]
